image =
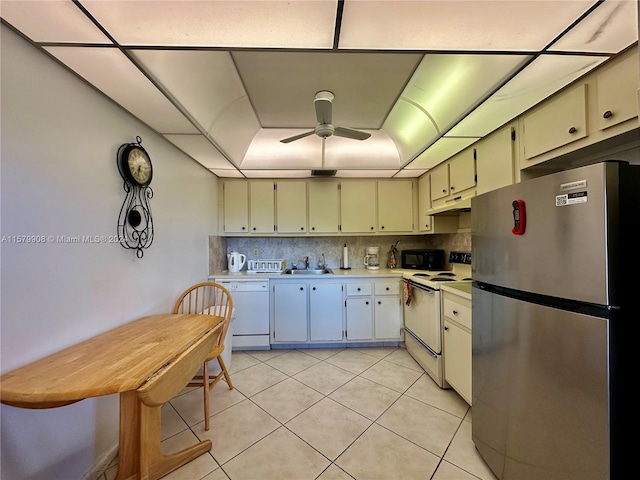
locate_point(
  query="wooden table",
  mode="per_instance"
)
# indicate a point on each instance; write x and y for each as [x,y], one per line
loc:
[118,361]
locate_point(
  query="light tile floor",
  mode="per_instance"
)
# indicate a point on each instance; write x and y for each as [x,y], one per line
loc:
[363,413]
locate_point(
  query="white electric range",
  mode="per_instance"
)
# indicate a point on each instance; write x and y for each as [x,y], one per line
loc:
[423,312]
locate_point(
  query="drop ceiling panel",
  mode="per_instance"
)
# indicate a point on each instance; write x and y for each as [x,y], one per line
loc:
[205,83]
[365,173]
[52,21]
[457,25]
[544,76]
[277,173]
[224,173]
[259,23]
[410,173]
[200,149]
[448,86]
[282,85]
[112,73]
[611,28]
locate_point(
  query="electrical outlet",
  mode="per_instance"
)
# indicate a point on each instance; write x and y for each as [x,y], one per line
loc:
[255,252]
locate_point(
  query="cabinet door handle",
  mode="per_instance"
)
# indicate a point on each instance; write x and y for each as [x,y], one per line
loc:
[254,228]
[358,288]
[452,187]
[301,288]
[301,228]
[446,328]
[313,228]
[371,228]
[607,114]
[243,228]
[444,190]
[313,288]
[387,289]
[379,302]
[573,130]
[366,303]
[455,312]
[382,227]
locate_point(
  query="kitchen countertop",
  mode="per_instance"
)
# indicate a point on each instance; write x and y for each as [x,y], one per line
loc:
[462,289]
[337,272]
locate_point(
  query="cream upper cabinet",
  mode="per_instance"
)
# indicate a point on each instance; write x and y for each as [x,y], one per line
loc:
[616,92]
[557,122]
[236,206]
[262,206]
[424,203]
[395,206]
[495,160]
[291,206]
[358,206]
[439,181]
[324,211]
[462,171]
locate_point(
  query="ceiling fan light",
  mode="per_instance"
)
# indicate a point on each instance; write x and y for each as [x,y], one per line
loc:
[324,130]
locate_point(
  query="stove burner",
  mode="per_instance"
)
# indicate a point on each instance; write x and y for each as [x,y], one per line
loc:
[421,275]
[447,274]
[442,279]
[467,278]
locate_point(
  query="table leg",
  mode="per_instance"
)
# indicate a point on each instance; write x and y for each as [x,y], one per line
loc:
[140,456]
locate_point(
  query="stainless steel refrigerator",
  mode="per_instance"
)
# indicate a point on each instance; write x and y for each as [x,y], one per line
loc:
[552,320]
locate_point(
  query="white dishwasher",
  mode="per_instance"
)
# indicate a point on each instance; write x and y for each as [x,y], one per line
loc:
[251,304]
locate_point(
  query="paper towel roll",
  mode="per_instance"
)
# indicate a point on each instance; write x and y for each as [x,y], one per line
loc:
[345,256]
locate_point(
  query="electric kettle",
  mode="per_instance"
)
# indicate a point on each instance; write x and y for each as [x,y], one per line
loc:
[235,261]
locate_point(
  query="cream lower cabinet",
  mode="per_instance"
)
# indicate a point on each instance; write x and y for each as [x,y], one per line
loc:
[325,312]
[359,311]
[307,311]
[387,315]
[457,343]
[289,312]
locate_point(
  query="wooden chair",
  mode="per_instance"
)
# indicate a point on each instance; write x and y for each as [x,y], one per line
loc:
[209,298]
[158,390]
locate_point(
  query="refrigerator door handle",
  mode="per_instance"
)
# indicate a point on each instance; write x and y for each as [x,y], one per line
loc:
[415,337]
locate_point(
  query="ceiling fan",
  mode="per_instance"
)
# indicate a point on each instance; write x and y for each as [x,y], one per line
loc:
[323,103]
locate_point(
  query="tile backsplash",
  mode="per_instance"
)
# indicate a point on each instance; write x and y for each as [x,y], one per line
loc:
[292,249]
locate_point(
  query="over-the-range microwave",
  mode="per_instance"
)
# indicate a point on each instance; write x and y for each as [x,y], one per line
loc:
[423,259]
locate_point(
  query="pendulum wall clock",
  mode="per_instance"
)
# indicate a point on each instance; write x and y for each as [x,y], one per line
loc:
[135,224]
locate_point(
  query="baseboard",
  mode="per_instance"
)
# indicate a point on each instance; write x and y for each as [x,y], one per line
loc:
[102,464]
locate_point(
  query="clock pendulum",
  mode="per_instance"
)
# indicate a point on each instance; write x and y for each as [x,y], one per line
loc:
[135,223]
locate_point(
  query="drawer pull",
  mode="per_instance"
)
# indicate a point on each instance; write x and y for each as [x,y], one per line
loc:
[607,114]
[573,130]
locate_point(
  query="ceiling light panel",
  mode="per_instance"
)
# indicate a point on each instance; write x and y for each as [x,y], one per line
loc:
[448,86]
[266,151]
[544,76]
[205,83]
[457,25]
[234,129]
[260,23]
[277,173]
[610,28]
[200,149]
[113,74]
[440,151]
[411,128]
[365,173]
[52,21]
[410,173]
[282,85]
[223,173]
[376,152]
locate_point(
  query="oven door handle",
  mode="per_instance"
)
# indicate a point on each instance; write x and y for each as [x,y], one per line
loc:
[424,288]
[415,337]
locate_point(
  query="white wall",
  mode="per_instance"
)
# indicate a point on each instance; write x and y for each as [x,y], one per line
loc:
[59,139]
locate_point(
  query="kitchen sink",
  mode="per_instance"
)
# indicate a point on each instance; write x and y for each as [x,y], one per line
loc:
[309,271]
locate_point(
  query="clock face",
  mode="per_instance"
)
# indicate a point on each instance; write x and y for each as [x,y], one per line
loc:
[138,165]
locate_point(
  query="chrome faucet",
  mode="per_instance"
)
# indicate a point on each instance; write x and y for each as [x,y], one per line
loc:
[323,263]
[306,262]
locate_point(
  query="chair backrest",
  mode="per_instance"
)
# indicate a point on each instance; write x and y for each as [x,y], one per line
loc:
[172,378]
[207,298]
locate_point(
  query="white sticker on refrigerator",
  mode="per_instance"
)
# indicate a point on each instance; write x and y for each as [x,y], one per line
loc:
[571,198]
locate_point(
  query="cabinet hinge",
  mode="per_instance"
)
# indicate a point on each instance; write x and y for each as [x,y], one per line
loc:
[275,186]
[475,177]
[475,154]
[339,227]
[513,134]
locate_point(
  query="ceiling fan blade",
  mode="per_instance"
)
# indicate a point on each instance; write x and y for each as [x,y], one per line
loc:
[351,133]
[323,105]
[297,137]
